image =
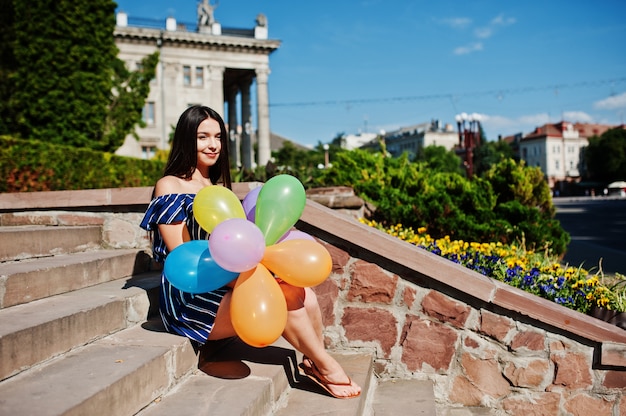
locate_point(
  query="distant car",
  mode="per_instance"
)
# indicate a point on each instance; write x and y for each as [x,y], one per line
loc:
[617,188]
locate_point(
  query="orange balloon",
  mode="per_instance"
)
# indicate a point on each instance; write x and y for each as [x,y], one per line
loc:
[302,263]
[258,309]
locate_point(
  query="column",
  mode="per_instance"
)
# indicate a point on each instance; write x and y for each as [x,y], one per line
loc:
[233,135]
[216,88]
[247,151]
[263,116]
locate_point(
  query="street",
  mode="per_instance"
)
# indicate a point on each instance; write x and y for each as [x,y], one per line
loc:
[597,226]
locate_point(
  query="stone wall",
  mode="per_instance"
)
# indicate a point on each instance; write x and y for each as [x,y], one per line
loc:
[473,356]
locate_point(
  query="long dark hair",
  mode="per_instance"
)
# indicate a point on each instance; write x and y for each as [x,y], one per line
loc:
[183,155]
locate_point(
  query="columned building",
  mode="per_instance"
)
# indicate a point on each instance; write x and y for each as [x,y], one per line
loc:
[225,69]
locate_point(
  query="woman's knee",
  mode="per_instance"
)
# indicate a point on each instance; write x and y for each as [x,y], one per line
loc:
[294,296]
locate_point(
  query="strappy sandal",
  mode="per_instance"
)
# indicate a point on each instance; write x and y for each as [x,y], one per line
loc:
[314,374]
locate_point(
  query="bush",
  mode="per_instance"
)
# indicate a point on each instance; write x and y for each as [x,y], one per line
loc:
[29,165]
[508,204]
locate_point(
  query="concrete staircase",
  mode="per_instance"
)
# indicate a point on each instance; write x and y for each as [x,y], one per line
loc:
[80,335]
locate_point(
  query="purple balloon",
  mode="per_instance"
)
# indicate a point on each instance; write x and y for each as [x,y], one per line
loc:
[249,203]
[237,245]
[295,235]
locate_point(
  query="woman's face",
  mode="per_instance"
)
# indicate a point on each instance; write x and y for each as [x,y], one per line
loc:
[209,142]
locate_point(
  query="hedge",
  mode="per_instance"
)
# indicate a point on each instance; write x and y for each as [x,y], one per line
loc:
[30,165]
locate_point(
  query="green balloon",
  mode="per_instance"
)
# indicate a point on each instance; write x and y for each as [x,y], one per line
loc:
[279,205]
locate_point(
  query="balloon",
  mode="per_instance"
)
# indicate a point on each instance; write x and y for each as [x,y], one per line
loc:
[279,206]
[191,268]
[237,244]
[296,235]
[249,203]
[214,204]
[258,309]
[302,263]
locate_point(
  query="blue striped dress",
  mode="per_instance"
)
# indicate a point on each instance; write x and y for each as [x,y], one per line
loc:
[187,314]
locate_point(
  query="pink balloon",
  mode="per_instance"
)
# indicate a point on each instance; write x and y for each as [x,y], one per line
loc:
[295,235]
[237,245]
[249,203]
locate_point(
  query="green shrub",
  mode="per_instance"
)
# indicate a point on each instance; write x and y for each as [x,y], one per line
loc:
[510,203]
[29,165]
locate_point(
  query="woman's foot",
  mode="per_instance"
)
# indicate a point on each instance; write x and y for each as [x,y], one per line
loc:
[338,384]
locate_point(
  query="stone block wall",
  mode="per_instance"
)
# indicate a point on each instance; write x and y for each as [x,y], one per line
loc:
[475,357]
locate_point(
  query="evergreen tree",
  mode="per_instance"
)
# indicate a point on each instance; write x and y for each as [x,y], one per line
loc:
[7,63]
[606,156]
[65,82]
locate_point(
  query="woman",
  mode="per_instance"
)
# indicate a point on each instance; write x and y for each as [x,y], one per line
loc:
[199,158]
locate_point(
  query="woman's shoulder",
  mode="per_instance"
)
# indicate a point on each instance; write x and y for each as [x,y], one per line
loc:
[169,185]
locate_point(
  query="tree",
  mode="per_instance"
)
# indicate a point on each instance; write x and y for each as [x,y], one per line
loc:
[606,156]
[67,85]
[8,65]
[440,159]
[488,154]
[127,100]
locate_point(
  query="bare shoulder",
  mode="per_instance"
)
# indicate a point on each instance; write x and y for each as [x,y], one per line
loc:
[169,185]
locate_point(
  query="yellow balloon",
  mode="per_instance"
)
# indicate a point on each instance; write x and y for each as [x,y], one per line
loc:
[302,263]
[258,309]
[214,204]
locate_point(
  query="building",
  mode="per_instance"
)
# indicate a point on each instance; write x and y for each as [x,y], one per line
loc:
[412,139]
[202,63]
[558,150]
[354,141]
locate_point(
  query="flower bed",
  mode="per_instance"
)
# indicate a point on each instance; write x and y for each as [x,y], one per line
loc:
[533,272]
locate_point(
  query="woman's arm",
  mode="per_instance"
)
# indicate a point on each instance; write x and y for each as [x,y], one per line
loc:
[173,234]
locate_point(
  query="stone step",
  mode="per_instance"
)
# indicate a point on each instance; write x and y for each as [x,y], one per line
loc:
[404,397]
[116,375]
[241,380]
[40,330]
[28,280]
[306,398]
[27,241]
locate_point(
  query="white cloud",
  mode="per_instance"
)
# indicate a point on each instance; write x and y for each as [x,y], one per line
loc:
[577,116]
[464,50]
[457,22]
[496,125]
[500,20]
[611,103]
[483,32]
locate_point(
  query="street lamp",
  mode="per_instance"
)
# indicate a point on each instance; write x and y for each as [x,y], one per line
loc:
[326,156]
[469,137]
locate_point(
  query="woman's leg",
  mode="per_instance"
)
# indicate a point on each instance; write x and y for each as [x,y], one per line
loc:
[223,326]
[304,332]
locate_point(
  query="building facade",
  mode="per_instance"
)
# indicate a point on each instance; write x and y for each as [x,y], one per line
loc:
[208,65]
[558,150]
[412,139]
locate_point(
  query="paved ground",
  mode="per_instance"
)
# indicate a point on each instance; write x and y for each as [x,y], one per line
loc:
[597,226]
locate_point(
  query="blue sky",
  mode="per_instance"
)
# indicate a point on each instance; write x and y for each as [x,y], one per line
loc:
[363,66]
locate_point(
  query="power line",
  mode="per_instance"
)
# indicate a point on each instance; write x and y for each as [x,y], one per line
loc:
[452,96]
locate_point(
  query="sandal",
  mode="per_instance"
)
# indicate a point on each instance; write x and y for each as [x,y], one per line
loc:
[314,374]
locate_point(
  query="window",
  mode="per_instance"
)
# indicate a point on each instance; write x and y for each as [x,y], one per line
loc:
[199,82]
[557,165]
[147,114]
[148,152]
[186,75]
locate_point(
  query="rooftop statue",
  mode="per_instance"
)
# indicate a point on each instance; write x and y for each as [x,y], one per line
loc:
[205,13]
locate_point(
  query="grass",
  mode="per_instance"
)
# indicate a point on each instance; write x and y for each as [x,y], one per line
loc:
[538,273]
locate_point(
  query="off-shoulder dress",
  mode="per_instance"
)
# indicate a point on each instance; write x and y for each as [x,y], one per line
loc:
[188,314]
